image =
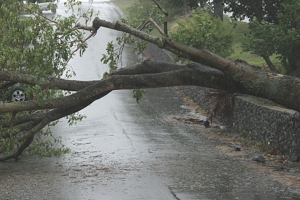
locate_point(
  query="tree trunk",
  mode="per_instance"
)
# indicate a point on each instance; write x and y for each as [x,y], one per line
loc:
[270,64]
[258,7]
[292,64]
[202,3]
[218,9]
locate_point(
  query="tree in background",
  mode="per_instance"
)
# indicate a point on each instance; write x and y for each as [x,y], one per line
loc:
[287,38]
[260,9]
[180,7]
[259,41]
[273,29]
[202,30]
[218,7]
[140,12]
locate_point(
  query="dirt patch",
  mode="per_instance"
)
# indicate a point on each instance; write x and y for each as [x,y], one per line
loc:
[275,166]
[188,119]
[232,152]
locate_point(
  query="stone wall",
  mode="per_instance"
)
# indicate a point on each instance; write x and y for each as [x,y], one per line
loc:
[260,121]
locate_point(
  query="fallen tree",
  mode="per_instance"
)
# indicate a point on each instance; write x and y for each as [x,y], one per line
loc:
[207,69]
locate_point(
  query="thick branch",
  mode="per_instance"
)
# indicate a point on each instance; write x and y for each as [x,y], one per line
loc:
[49,82]
[148,67]
[176,75]
[88,92]
[33,117]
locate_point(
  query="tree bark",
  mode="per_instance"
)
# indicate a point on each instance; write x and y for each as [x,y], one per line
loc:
[218,9]
[202,3]
[270,64]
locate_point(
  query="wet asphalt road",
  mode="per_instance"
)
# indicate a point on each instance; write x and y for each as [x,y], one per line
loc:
[125,150]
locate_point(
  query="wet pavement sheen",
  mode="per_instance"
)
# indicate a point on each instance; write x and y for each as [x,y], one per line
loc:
[125,150]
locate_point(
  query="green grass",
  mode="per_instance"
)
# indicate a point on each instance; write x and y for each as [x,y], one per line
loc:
[249,57]
[172,25]
[123,4]
[239,32]
[246,56]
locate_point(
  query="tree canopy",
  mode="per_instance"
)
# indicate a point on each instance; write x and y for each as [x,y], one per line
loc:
[202,30]
[22,60]
[261,9]
[273,30]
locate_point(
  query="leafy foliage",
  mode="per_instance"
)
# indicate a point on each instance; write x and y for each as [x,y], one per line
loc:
[138,94]
[140,12]
[204,31]
[259,41]
[287,36]
[181,7]
[111,58]
[45,144]
[261,10]
[281,38]
[41,45]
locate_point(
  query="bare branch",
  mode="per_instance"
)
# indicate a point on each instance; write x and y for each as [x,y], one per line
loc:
[156,26]
[166,17]
[150,20]
[79,46]
[49,82]
[92,29]
[87,28]
[161,8]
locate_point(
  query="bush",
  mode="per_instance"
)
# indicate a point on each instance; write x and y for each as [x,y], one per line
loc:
[202,30]
[281,39]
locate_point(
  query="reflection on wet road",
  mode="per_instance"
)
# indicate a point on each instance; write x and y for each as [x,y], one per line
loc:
[125,150]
